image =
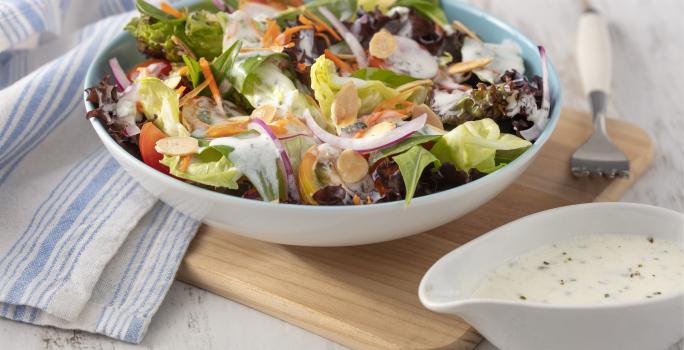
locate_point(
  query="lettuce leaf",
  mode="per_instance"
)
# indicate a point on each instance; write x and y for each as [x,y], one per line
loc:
[218,173]
[412,163]
[152,11]
[388,77]
[204,33]
[201,31]
[154,36]
[474,144]
[428,8]
[402,146]
[344,10]
[161,105]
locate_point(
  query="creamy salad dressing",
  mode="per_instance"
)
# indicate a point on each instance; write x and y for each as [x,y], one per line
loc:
[505,56]
[255,157]
[239,27]
[590,269]
[412,59]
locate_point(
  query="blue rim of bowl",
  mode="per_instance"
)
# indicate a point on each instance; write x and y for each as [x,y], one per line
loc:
[554,116]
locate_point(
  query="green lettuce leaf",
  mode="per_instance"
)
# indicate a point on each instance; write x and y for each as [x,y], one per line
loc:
[412,163]
[201,31]
[161,105]
[154,36]
[388,77]
[402,146]
[204,33]
[152,11]
[474,145]
[428,8]
[194,70]
[217,173]
[344,10]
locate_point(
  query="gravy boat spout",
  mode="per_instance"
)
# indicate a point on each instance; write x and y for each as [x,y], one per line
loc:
[655,323]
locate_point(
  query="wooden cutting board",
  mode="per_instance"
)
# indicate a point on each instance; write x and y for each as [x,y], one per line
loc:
[366,297]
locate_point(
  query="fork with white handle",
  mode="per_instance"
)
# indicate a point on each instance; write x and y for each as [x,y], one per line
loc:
[598,156]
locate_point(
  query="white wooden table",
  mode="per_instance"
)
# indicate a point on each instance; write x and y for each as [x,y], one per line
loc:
[648,90]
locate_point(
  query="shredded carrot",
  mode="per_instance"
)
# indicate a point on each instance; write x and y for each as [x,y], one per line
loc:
[375,62]
[208,75]
[356,199]
[164,6]
[322,25]
[286,36]
[392,103]
[180,90]
[194,92]
[338,62]
[301,67]
[183,70]
[226,129]
[185,163]
[306,21]
[272,31]
[386,115]
[325,37]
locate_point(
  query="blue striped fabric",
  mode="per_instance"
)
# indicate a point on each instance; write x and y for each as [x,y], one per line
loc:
[86,248]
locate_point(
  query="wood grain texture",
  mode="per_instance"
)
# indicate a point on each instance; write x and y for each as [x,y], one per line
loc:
[365,296]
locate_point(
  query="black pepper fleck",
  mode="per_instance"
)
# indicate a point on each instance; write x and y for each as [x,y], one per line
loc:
[650,239]
[522,297]
[606,295]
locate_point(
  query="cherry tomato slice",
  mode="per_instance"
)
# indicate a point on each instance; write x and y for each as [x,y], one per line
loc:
[149,135]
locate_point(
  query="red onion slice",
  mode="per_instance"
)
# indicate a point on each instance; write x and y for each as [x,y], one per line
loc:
[119,75]
[131,130]
[219,5]
[262,128]
[366,144]
[538,127]
[349,38]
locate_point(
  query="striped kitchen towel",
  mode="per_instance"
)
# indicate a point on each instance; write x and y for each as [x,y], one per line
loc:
[82,246]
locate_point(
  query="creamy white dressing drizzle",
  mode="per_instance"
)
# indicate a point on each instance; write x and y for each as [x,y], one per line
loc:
[590,269]
[505,56]
[255,157]
[410,58]
[239,27]
[444,101]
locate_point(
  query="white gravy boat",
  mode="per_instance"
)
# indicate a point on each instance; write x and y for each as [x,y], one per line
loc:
[511,325]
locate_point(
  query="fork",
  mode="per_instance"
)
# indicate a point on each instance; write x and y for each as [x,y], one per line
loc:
[598,156]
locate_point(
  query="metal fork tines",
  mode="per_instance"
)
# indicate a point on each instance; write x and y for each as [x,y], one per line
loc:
[598,156]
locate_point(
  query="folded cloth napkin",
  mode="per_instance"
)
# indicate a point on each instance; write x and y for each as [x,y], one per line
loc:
[82,245]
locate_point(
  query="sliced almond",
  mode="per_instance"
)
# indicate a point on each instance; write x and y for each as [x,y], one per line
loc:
[379,129]
[410,85]
[468,66]
[177,146]
[462,28]
[432,118]
[265,113]
[351,166]
[382,44]
[345,106]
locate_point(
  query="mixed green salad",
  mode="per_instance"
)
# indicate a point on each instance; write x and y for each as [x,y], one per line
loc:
[327,102]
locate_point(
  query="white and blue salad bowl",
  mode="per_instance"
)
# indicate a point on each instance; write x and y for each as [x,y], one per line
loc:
[332,225]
